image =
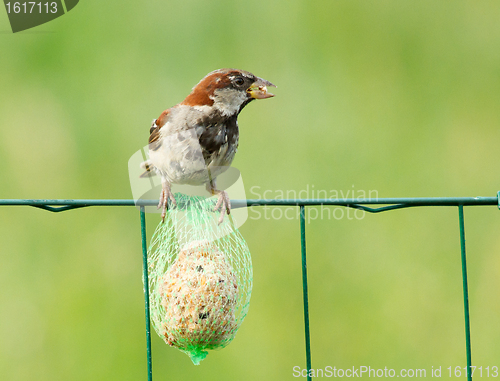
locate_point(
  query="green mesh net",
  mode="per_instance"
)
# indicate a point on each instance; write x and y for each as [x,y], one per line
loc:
[200,278]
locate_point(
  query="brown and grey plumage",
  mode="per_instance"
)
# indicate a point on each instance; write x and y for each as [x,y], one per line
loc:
[196,140]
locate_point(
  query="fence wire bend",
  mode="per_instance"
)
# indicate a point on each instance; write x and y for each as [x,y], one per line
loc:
[387,204]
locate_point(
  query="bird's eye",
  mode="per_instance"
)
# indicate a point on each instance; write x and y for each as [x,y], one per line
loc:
[238,81]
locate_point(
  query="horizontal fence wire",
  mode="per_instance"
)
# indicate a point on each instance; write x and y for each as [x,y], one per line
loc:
[386,204]
[391,203]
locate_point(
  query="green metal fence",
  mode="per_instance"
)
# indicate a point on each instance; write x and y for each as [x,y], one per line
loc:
[384,204]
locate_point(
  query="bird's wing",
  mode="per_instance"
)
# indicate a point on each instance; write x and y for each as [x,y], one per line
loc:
[154,142]
[154,131]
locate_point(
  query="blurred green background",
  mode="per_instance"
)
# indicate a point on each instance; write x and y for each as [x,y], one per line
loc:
[401,97]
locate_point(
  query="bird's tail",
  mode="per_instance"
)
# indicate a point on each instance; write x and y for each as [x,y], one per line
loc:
[149,169]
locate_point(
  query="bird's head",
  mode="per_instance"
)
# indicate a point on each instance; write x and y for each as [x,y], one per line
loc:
[228,91]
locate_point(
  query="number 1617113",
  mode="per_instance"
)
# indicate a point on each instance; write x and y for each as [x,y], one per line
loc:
[474,371]
[31,7]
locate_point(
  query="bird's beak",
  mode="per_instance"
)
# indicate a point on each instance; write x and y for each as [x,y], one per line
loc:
[258,89]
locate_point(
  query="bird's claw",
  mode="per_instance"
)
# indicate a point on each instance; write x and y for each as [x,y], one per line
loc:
[166,194]
[224,204]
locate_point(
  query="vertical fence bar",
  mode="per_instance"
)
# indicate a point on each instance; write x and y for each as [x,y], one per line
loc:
[146,291]
[304,288]
[466,292]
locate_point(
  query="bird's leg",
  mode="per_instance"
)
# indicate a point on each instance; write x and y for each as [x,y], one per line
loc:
[165,195]
[223,202]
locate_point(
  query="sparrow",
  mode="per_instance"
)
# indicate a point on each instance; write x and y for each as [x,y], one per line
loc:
[196,140]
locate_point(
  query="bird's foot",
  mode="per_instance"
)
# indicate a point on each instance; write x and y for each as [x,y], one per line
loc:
[166,194]
[224,204]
